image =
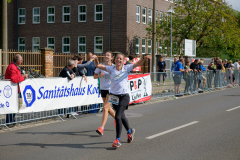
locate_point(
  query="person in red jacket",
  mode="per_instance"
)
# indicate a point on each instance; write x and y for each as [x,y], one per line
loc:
[13,73]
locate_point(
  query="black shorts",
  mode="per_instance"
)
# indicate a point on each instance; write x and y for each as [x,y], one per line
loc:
[104,93]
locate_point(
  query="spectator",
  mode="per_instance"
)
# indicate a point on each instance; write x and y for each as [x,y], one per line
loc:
[91,67]
[174,64]
[217,73]
[230,71]
[202,78]
[130,61]
[187,77]
[161,67]
[226,64]
[67,70]
[76,70]
[196,70]
[81,66]
[178,74]
[13,73]
[235,72]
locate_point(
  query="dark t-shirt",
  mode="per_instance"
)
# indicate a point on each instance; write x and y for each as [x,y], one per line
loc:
[90,68]
[77,72]
[65,72]
[129,63]
[219,66]
[195,66]
[227,66]
[161,65]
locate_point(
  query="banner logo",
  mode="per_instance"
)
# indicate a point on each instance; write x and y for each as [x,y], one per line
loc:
[29,95]
[7,91]
[7,104]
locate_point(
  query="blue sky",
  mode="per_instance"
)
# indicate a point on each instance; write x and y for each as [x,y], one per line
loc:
[235,4]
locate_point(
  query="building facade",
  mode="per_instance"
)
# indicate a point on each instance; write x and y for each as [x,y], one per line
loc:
[82,26]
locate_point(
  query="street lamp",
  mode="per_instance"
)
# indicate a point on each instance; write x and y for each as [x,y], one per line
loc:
[171,11]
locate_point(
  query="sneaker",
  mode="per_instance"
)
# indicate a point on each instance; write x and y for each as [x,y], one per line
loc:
[116,143]
[100,131]
[131,135]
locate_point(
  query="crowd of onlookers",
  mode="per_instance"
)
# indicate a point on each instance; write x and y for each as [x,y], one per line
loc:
[197,78]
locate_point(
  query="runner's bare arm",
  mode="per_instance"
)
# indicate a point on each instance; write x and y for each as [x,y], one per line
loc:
[141,61]
[98,65]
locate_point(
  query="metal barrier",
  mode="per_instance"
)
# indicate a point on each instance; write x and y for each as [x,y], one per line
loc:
[179,83]
[175,84]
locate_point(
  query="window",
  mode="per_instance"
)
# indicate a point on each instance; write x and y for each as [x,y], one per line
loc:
[156,16]
[166,17]
[143,46]
[171,1]
[35,43]
[150,16]
[81,44]
[51,42]
[137,45]
[160,47]
[82,13]
[36,15]
[161,17]
[98,12]
[50,14]
[138,14]
[21,43]
[144,15]
[149,46]
[66,44]
[98,44]
[66,14]
[21,16]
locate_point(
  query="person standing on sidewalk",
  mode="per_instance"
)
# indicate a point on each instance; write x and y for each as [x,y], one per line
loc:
[105,84]
[119,93]
[161,68]
[13,73]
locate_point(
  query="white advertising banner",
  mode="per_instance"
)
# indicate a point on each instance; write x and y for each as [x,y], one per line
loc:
[54,93]
[140,87]
[190,48]
[8,97]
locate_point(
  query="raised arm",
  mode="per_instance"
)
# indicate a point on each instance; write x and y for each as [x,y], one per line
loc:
[98,65]
[141,61]
[86,64]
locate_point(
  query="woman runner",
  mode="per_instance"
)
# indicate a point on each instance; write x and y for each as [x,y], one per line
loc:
[105,84]
[119,93]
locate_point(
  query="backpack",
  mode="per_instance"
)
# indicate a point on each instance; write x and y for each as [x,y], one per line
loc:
[209,66]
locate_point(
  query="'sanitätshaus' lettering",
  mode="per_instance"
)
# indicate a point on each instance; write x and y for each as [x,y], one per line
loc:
[64,91]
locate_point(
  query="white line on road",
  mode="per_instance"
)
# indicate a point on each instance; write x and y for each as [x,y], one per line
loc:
[171,130]
[233,109]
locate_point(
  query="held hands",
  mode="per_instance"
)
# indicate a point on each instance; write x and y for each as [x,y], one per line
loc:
[93,58]
[96,61]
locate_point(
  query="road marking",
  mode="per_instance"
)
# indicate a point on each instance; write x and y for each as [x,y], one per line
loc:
[233,109]
[171,130]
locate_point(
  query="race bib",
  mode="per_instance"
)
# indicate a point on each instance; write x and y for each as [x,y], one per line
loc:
[113,99]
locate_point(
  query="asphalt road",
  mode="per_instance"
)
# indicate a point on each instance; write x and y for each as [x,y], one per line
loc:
[192,128]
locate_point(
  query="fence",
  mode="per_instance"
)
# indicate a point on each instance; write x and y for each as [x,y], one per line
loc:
[179,84]
[32,59]
[175,84]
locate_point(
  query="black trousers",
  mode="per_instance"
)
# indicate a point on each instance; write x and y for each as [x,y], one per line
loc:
[120,115]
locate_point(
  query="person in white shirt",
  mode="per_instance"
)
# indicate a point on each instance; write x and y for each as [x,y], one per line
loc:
[235,72]
[119,93]
[105,84]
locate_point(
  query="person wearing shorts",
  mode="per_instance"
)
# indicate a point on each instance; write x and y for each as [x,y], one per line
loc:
[105,84]
[119,93]
[178,74]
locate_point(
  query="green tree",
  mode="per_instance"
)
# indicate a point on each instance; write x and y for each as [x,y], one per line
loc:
[211,23]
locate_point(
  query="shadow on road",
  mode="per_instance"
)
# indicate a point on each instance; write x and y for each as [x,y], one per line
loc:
[82,133]
[41,145]
[231,95]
